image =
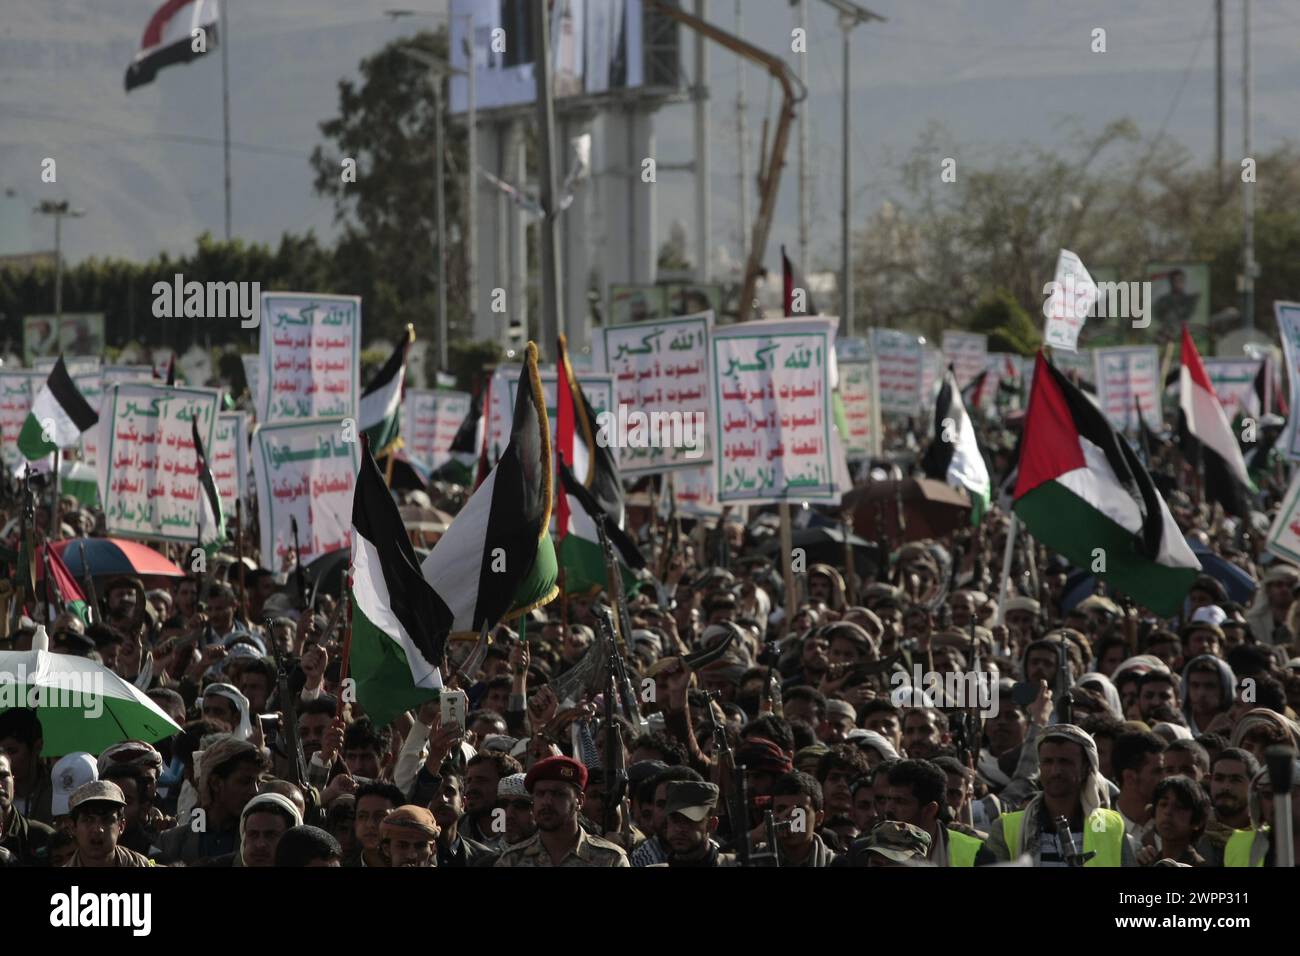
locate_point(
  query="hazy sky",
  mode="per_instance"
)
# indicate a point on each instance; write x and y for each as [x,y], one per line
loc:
[147,167]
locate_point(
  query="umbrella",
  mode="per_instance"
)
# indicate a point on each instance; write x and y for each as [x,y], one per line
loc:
[82,705]
[1239,585]
[114,556]
[825,545]
[931,509]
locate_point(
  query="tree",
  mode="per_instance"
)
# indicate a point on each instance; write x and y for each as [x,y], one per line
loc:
[387,252]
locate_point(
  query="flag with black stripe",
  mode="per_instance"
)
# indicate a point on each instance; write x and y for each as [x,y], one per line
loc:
[58,416]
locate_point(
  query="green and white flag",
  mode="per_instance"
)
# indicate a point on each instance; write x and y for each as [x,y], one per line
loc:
[59,416]
[381,402]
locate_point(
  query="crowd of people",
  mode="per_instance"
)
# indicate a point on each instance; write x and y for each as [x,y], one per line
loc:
[1093,733]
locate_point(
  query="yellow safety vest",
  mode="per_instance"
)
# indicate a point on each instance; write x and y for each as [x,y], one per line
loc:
[1237,852]
[1103,835]
[962,848]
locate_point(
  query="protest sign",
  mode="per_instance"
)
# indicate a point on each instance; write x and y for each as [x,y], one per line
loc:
[89,379]
[1284,536]
[430,419]
[860,394]
[660,369]
[772,409]
[1288,330]
[899,359]
[229,460]
[309,357]
[1124,375]
[17,390]
[1070,299]
[1078,366]
[966,352]
[149,470]
[932,369]
[696,491]
[305,471]
[1234,383]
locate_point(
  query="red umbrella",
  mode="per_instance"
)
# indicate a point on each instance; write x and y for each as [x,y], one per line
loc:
[930,509]
[113,556]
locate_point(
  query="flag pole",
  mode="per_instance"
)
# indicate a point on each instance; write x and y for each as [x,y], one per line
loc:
[787,556]
[54,503]
[388,471]
[347,642]
[223,40]
[1013,534]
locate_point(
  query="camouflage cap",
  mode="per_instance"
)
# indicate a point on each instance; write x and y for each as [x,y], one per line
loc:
[900,842]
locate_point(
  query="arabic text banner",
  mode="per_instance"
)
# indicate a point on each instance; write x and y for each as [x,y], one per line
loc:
[661,366]
[860,394]
[772,409]
[696,491]
[309,356]
[229,461]
[430,419]
[304,470]
[149,478]
[1288,330]
[965,352]
[17,391]
[1124,375]
[1234,382]
[597,386]
[899,357]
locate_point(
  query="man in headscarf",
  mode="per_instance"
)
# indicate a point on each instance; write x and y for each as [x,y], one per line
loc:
[225,703]
[228,772]
[1072,788]
[266,818]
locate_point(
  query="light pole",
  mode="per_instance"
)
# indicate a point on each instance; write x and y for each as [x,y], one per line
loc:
[438,68]
[850,16]
[58,210]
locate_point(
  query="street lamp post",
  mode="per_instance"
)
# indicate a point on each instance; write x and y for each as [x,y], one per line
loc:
[58,210]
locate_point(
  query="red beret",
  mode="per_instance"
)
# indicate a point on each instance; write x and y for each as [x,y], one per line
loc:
[759,753]
[563,769]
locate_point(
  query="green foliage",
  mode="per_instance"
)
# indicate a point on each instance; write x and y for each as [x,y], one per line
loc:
[1009,327]
[469,359]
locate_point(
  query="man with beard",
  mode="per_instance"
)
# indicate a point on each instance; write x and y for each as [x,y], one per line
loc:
[1230,776]
[96,810]
[485,771]
[814,660]
[690,810]
[264,821]
[1072,788]
[925,731]
[407,837]
[448,807]
[557,785]
[516,804]
[655,849]
[917,794]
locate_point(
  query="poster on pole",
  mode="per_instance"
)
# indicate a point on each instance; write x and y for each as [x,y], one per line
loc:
[1070,299]
[90,382]
[17,392]
[967,353]
[309,357]
[1234,383]
[1126,376]
[304,471]
[149,477]
[899,359]
[660,375]
[229,460]
[772,416]
[1288,330]
[430,420]
[860,393]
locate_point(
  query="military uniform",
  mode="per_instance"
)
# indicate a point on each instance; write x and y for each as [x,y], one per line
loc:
[588,851]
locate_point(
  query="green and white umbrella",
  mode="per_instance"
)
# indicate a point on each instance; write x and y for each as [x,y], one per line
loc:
[82,705]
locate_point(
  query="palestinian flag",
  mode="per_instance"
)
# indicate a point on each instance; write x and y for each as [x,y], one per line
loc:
[973,396]
[794,280]
[1265,397]
[381,401]
[954,456]
[170,39]
[465,447]
[1082,491]
[399,623]
[592,465]
[212,523]
[59,415]
[1206,432]
[496,561]
[63,586]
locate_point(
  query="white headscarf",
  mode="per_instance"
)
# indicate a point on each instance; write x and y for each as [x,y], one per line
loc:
[245,729]
[1093,793]
[266,799]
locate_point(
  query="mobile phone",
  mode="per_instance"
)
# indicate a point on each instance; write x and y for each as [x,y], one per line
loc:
[454,705]
[1024,693]
[270,726]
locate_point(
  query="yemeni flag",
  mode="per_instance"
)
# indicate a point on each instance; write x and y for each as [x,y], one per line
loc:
[169,38]
[1206,432]
[794,279]
[381,401]
[1082,488]
[592,465]
[59,415]
[399,623]
[212,523]
[954,455]
[496,561]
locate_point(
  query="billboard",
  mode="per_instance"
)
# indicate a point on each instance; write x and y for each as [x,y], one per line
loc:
[46,336]
[596,47]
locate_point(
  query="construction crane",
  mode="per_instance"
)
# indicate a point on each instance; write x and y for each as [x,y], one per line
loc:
[769,176]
